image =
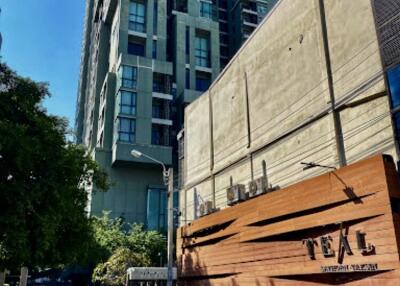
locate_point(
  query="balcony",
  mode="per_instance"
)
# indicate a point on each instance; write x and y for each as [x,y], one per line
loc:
[179,5]
[161,112]
[249,11]
[162,86]
[121,153]
[109,8]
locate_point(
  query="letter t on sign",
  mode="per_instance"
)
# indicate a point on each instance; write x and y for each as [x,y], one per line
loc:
[310,242]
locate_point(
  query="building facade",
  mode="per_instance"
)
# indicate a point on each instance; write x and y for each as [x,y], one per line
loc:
[142,63]
[318,81]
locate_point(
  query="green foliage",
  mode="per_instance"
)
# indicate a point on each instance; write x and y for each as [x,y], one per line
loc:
[43,177]
[113,272]
[150,242]
[111,234]
[122,245]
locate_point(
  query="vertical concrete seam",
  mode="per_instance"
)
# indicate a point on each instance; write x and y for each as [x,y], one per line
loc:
[247,111]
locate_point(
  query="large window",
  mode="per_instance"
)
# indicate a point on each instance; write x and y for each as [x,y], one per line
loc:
[202,52]
[128,77]
[206,9]
[155,17]
[128,102]
[393,76]
[157,209]
[126,131]
[137,16]
[203,81]
[394,85]
[136,48]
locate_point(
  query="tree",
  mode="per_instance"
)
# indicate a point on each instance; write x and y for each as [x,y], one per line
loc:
[113,272]
[121,245]
[43,181]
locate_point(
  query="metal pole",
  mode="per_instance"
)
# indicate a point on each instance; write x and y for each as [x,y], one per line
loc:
[170,195]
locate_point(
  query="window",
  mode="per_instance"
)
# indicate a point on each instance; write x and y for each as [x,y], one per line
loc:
[203,81]
[126,130]
[187,44]
[394,85]
[129,77]
[155,17]
[396,120]
[206,9]
[136,46]
[157,209]
[137,17]
[187,79]
[160,108]
[159,135]
[202,52]
[128,102]
[250,18]
[161,83]
[154,50]
[393,78]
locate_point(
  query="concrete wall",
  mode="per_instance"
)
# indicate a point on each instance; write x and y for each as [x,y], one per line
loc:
[273,103]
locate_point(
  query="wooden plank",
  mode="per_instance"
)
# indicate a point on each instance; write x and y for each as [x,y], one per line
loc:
[311,208]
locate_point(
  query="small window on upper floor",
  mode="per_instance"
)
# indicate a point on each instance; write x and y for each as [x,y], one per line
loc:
[203,81]
[127,102]
[128,77]
[136,46]
[154,50]
[126,130]
[137,16]
[202,49]
[206,9]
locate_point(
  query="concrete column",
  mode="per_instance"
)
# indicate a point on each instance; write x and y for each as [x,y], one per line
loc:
[2,277]
[23,279]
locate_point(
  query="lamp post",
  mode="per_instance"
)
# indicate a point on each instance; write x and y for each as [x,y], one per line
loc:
[168,177]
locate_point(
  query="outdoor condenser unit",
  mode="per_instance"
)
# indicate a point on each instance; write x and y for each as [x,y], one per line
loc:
[258,187]
[236,194]
[205,208]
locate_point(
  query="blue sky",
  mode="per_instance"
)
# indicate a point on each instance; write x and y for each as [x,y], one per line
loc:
[42,40]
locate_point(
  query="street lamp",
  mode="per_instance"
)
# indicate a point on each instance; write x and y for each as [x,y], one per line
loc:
[168,176]
[137,154]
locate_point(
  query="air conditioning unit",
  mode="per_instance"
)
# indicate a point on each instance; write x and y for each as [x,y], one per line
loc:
[205,208]
[236,194]
[258,187]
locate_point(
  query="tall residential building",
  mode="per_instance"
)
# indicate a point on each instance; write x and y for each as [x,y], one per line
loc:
[142,62]
[130,74]
[237,20]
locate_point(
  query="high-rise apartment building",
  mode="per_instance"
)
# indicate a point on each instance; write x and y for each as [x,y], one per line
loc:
[237,20]
[142,62]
